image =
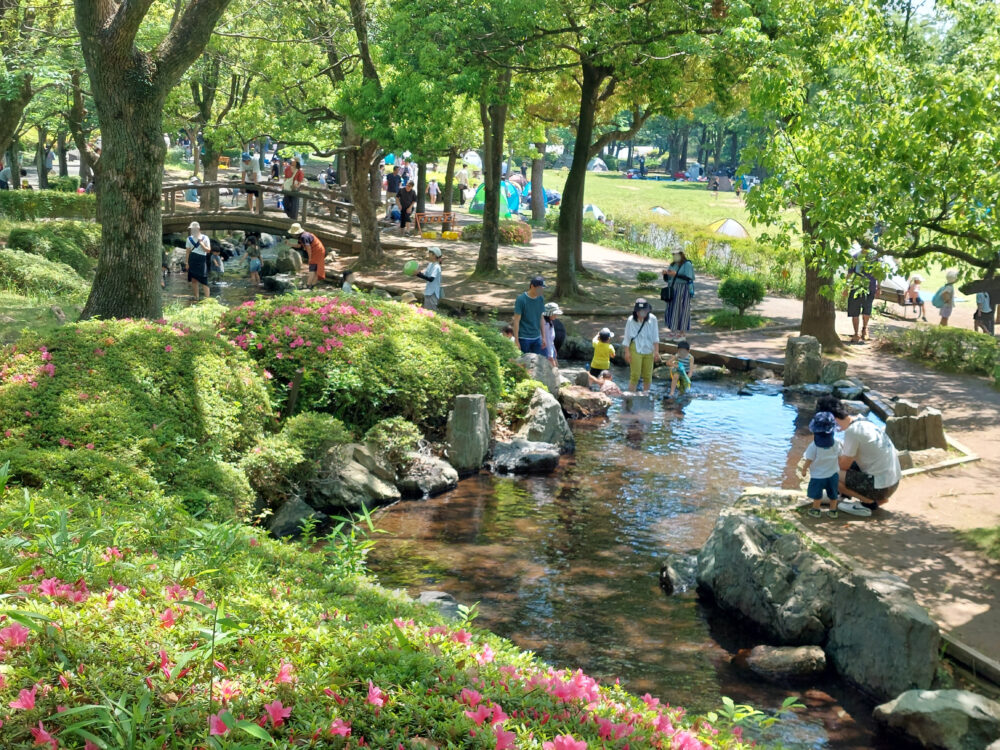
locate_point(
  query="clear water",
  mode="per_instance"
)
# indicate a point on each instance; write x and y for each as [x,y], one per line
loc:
[566,565]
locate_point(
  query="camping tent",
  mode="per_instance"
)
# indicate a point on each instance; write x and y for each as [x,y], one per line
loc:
[478,203]
[513,196]
[590,211]
[552,198]
[597,165]
[729,228]
[390,159]
[660,210]
[472,159]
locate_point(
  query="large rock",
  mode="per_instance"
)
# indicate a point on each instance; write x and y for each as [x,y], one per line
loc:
[345,484]
[374,463]
[573,376]
[444,602]
[881,639]
[546,422]
[524,457]
[803,360]
[905,408]
[771,577]
[947,719]
[576,348]
[783,663]
[708,372]
[290,516]
[917,433]
[832,370]
[538,368]
[426,476]
[847,389]
[578,402]
[280,283]
[288,261]
[468,433]
[678,573]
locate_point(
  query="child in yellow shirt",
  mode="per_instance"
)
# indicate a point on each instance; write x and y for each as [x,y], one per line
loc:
[604,352]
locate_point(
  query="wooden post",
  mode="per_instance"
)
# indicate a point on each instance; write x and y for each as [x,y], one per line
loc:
[302,211]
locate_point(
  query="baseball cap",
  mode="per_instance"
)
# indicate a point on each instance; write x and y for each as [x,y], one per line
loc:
[822,426]
[607,332]
[537,281]
[246,156]
[436,250]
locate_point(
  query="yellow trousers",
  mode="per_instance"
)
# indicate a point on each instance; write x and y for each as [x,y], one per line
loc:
[640,366]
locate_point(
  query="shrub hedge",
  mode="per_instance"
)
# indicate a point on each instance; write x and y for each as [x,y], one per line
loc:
[62,243]
[742,292]
[34,275]
[363,359]
[512,232]
[66,184]
[28,205]
[947,348]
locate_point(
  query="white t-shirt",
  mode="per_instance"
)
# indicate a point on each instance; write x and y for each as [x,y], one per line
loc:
[824,460]
[462,177]
[645,335]
[434,285]
[873,451]
[199,244]
[252,173]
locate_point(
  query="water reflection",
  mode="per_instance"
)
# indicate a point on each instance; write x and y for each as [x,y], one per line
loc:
[566,565]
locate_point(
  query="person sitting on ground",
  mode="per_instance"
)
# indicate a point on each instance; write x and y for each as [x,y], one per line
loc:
[508,332]
[821,464]
[607,384]
[552,311]
[681,366]
[913,296]
[431,273]
[311,245]
[345,281]
[867,457]
[604,352]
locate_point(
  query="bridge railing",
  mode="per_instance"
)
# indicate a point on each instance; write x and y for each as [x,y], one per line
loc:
[311,203]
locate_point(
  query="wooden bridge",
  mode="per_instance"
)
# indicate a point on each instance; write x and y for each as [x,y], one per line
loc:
[220,207]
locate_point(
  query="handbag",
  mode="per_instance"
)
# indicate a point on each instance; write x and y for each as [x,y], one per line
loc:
[667,293]
[288,183]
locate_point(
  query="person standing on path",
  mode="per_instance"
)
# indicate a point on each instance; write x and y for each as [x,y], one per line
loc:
[642,344]
[549,320]
[432,275]
[433,191]
[462,178]
[294,179]
[250,174]
[528,309]
[860,300]
[983,317]
[407,200]
[392,185]
[311,245]
[944,298]
[868,459]
[198,249]
[677,294]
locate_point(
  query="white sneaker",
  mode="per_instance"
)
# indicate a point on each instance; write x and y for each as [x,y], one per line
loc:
[854,508]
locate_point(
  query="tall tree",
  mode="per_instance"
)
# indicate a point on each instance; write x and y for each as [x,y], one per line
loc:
[130,85]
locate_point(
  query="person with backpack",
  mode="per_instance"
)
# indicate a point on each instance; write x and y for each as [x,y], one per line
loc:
[982,318]
[861,298]
[944,298]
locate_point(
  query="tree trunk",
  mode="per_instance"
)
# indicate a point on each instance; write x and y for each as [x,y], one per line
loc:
[12,105]
[210,163]
[569,245]
[734,149]
[63,163]
[341,175]
[720,141]
[702,146]
[14,161]
[43,176]
[357,163]
[192,135]
[819,314]
[375,183]
[422,186]
[494,119]
[683,160]
[537,183]
[631,152]
[449,182]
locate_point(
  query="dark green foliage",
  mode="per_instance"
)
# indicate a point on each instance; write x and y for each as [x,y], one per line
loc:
[34,275]
[952,349]
[28,205]
[393,439]
[742,292]
[491,334]
[511,233]
[62,243]
[646,277]
[64,184]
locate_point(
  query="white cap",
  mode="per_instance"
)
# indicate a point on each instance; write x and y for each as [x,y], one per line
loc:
[436,250]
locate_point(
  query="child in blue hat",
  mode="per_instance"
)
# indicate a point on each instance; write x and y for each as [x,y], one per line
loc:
[822,462]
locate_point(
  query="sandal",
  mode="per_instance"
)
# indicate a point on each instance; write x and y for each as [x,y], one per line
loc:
[834,514]
[815,513]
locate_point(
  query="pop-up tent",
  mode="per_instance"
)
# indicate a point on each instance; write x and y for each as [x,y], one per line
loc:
[472,159]
[390,159]
[590,211]
[597,165]
[660,210]
[729,228]
[552,198]
[508,193]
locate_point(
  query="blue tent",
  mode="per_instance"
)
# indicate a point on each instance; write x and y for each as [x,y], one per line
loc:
[513,196]
[478,202]
[390,159]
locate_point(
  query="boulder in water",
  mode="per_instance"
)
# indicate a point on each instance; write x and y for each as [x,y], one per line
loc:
[426,476]
[290,516]
[468,433]
[524,457]
[678,573]
[785,663]
[579,402]
[949,719]
[546,422]
[538,368]
[445,603]
[803,360]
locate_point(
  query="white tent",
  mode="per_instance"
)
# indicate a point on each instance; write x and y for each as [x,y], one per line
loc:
[590,211]
[472,159]
[729,228]
[660,210]
[597,165]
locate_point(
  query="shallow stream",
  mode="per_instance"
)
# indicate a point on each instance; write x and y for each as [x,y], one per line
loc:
[567,564]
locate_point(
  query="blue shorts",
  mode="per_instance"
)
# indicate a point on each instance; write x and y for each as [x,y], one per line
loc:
[818,484]
[531,346]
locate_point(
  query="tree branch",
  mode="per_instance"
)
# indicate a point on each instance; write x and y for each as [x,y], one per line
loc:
[186,39]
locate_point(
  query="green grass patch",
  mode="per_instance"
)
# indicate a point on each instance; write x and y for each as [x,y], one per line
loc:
[730,320]
[986,539]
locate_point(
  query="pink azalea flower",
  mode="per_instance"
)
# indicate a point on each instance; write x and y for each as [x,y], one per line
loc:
[686,741]
[216,726]
[471,698]
[14,635]
[480,715]
[168,348]
[375,696]
[89,446]
[25,699]
[486,655]
[462,636]
[565,742]
[505,739]
[499,717]
[284,673]
[167,619]
[340,727]
[650,701]
[88,745]
[277,713]
[42,737]
[663,724]
[401,623]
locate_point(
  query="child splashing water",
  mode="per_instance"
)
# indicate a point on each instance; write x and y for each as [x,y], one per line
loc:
[681,366]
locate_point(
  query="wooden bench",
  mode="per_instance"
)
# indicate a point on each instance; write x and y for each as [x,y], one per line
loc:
[437,217]
[224,162]
[898,297]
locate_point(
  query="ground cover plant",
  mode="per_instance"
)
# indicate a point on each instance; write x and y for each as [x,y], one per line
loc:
[948,348]
[363,358]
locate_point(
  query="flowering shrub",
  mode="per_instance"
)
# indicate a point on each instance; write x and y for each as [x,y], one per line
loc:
[362,358]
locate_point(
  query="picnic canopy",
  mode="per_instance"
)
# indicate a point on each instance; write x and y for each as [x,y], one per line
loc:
[729,228]
[660,210]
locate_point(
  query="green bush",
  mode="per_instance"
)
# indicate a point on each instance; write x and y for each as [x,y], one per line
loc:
[646,277]
[491,334]
[65,184]
[730,320]
[595,231]
[512,232]
[947,348]
[393,439]
[363,359]
[741,292]
[52,247]
[518,400]
[28,205]
[34,275]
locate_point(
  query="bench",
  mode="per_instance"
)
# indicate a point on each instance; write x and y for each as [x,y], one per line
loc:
[224,162]
[898,297]
[438,217]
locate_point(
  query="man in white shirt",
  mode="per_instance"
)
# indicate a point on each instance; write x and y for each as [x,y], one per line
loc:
[251,175]
[868,460]
[462,178]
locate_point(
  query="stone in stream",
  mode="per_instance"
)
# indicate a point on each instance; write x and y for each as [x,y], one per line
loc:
[445,603]
[579,403]
[761,373]
[831,371]
[279,283]
[803,360]
[857,407]
[524,457]
[546,423]
[948,719]
[288,520]
[426,476]
[678,573]
[288,261]
[709,372]
[468,433]
[344,483]
[847,390]
[783,663]
[538,368]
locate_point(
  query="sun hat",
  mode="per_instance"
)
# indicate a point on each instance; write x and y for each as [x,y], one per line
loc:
[537,281]
[194,225]
[642,304]
[822,426]
[606,332]
[408,297]
[951,276]
[436,250]
[296,229]
[552,308]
